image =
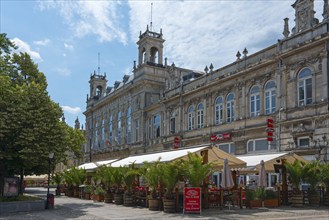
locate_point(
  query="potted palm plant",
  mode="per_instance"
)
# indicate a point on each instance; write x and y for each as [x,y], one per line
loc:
[105,173]
[324,178]
[312,176]
[152,174]
[171,174]
[271,199]
[118,176]
[99,193]
[252,200]
[295,171]
[88,191]
[129,178]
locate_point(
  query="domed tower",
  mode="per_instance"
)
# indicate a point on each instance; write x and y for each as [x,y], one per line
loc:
[150,47]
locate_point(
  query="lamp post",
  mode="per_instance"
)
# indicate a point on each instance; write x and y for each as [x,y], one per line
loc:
[50,156]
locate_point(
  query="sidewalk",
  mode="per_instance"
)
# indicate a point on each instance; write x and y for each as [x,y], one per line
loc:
[73,208]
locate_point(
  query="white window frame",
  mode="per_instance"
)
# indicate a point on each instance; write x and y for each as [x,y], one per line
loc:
[219,110]
[304,85]
[200,112]
[270,97]
[303,138]
[254,101]
[230,115]
[231,147]
[190,118]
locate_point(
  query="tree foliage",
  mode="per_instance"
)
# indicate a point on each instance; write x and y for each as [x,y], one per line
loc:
[30,125]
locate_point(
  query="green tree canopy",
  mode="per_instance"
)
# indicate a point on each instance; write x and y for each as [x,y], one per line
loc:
[30,125]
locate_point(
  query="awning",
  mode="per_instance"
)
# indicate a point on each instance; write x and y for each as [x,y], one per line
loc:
[215,155]
[253,161]
[90,167]
[36,177]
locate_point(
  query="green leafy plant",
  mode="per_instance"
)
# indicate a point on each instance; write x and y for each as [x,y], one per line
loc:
[260,193]
[106,175]
[88,189]
[152,173]
[118,175]
[58,178]
[270,194]
[295,171]
[250,195]
[312,175]
[130,174]
[171,172]
[99,191]
[195,170]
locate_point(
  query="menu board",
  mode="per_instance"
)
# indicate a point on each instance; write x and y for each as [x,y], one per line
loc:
[192,200]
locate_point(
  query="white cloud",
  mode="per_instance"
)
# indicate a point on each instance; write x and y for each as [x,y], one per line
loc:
[25,48]
[68,46]
[71,110]
[63,71]
[91,17]
[198,33]
[42,42]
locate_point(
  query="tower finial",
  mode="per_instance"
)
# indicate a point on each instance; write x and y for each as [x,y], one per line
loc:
[99,68]
[151,16]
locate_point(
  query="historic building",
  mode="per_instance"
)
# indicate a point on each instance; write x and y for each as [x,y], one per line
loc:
[270,101]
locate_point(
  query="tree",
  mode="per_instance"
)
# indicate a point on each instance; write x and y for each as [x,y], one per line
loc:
[30,125]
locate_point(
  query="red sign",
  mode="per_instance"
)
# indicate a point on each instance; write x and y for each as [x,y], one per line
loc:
[270,129]
[176,142]
[219,137]
[192,199]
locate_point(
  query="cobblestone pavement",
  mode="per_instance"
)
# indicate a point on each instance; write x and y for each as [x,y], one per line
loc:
[72,208]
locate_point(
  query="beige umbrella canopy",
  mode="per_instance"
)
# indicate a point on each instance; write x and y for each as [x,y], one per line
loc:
[227,179]
[262,175]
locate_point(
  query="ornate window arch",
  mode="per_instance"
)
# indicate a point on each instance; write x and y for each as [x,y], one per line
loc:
[190,116]
[304,81]
[270,97]
[200,112]
[219,110]
[254,101]
[230,107]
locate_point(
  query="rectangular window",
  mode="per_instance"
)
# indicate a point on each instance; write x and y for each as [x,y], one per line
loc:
[172,125]
[157,122]
[136,130]
[303,142]
[228,148]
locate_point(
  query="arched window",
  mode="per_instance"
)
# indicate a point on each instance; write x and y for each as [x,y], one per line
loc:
[254,101]
[219,111]
[305,87]
[190,118]
[128,125]
[230,107]
[200,116]
[154,55]
[270,98]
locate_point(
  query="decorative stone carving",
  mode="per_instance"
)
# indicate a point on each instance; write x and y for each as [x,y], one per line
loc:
[286,31]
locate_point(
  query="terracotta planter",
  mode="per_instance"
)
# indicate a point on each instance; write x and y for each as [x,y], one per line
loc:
[98,198]
[254,203]
[271,203]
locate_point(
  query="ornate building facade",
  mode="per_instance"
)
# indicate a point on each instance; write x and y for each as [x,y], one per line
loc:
[161,106]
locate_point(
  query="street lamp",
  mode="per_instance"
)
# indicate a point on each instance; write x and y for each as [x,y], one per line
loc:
[50,156]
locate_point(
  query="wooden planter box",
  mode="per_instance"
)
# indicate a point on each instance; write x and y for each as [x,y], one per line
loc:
[98,198]
[87,196]
[254,203]
[271,203]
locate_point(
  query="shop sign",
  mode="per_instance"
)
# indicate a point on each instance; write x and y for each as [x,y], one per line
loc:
[10,187]
[192,200]
[219,137]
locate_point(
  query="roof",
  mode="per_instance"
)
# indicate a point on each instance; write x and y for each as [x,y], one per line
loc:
[215,155]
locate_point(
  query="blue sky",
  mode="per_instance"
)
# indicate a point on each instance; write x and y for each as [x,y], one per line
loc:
[65,37]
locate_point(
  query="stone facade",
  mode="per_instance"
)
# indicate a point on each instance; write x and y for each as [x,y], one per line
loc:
[228,107]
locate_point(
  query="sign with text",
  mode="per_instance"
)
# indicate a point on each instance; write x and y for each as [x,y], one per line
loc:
[192,200]
[219,137]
